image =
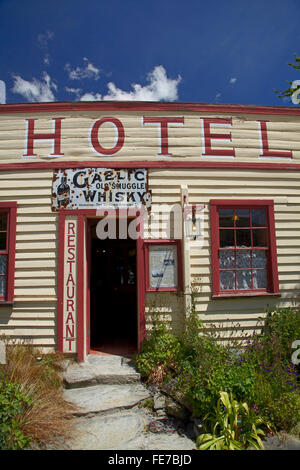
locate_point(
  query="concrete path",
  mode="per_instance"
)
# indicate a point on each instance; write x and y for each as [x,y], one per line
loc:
[108,394]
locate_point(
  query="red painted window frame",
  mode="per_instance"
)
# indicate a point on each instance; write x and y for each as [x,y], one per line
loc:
[177,243]
[272,269]
[10,208]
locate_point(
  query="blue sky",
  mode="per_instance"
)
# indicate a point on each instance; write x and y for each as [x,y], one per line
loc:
[232,51]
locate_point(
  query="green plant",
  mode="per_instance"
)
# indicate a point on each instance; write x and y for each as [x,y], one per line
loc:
[233,426]
[13,406]
[47,417]
[160,352]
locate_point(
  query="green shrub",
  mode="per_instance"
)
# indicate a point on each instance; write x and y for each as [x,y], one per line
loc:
[203,390]
[233,426]
[281,328]
[284,411]
[13,405]
[160,352]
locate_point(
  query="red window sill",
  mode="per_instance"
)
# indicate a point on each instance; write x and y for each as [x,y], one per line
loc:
[246,294]
[163,289]
[6,302]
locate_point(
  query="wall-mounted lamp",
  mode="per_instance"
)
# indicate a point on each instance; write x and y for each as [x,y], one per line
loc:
[193,221]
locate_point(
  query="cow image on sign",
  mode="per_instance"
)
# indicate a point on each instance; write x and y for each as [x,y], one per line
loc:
[100,187]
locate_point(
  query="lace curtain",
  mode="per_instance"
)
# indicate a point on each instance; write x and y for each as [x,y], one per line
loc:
[243,271]
[3,261]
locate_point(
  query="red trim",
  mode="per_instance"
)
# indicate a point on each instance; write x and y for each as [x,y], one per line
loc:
[146,106]
[147,243]
[141,328]
[80,288]
[140,274]
[272,270]
[10,207]
[88,286]
[148,164]
[60,281]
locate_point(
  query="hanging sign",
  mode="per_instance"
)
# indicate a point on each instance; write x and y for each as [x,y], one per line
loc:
[89,188]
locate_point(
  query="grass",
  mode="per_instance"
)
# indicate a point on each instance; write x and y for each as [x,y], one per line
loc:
[48,419]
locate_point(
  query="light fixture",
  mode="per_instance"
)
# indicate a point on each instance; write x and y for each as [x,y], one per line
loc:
[193,221]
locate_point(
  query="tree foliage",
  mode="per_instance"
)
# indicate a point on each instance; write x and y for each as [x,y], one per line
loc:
[294,89]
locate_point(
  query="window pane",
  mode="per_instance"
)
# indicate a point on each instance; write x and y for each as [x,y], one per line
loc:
[3,260]
[260,279]
[3,222]
[260,237]
[226,217]
[258,218]
[243,259]
[226,258]
[259,258]
[3,241]
[243,238]
[2,286]
[227,280]
[242,218]
[243,280]
[226,238]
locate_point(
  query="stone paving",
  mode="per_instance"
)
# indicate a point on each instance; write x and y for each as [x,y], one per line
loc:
[108,392]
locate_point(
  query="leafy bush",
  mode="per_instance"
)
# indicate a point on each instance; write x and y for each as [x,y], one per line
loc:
[233,426]
[13,406]
[202,390]
[259,373]
[160,352]
[281,328]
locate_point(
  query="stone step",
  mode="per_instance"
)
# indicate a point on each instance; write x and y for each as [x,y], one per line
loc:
[104,399]
[125,430]
[96,369]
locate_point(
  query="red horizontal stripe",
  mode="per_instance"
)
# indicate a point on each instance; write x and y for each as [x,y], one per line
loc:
[146,106]
[148,164]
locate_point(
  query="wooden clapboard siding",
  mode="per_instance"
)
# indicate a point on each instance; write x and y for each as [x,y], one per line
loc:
[203,185]
[142,141]
[33,315]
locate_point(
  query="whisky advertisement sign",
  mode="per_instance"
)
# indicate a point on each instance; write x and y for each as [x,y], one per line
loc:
[88,188]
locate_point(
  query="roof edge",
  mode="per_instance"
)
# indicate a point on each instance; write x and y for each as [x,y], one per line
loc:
[146,106]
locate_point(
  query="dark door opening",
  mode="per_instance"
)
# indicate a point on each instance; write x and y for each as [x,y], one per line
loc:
[113,296]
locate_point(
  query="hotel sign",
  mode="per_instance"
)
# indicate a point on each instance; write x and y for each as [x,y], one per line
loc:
[90,188]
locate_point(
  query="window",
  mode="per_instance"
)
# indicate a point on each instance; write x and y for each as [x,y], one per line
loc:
[163,265]
[243,244]
[8,211]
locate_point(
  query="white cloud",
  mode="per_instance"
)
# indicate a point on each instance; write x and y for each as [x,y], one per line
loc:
[160,88]
[87,71]
[218,96]
[2,92]
[91,97]
[36,90]
[233,80]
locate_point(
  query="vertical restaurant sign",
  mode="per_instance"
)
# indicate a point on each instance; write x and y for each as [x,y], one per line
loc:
[100,187]
[70,286]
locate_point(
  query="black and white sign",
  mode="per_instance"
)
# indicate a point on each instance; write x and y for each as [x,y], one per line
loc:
[89,188]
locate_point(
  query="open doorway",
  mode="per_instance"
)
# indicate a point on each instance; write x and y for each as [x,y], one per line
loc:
[113,295]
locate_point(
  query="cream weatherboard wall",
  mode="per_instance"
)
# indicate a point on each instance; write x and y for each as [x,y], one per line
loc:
[33,314]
